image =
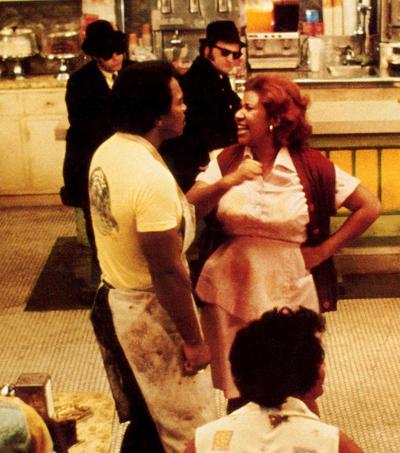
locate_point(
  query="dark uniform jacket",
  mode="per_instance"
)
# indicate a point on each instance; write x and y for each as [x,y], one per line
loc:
[211,106]
[88,99]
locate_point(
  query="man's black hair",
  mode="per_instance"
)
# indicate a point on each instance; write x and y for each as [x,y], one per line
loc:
[140,95]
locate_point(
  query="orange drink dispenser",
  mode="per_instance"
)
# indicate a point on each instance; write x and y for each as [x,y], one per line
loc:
[259,16]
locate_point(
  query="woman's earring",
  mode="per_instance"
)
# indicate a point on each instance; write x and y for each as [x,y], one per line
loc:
[271,128]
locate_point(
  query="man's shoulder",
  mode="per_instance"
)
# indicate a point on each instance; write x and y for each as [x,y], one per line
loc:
[127,156]
[89,67]
[86,73]
[200,70]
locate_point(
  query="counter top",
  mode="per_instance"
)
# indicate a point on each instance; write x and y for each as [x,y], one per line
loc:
[303,78]
[32,82]
[323,77]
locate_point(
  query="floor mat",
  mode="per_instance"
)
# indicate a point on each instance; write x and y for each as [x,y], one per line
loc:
[68,280]
[369,286]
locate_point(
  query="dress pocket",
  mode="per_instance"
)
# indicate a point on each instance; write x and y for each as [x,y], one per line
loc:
[304,292]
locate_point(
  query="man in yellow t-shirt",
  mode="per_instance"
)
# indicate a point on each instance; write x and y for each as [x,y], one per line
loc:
[144,315]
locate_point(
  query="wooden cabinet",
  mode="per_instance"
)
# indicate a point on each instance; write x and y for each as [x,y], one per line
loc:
[13,174]
[46,156]
[31,158]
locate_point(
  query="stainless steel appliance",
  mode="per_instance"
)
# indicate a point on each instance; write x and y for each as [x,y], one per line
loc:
[273,50]
[179,24]
[389,20]
[389,33]
[280,48]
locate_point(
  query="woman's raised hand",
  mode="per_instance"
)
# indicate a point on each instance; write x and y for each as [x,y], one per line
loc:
[247,170]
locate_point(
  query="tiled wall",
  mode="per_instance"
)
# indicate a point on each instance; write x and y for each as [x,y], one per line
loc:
[378,171]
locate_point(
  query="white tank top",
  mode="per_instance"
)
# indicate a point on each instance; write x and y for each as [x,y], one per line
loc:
[253,429]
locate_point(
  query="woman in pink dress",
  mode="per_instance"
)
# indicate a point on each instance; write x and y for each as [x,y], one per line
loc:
[273,197]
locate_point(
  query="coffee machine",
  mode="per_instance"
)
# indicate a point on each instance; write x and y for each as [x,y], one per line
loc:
[274,42]
[273,50]
[389,20]
[178,25]
[389,36]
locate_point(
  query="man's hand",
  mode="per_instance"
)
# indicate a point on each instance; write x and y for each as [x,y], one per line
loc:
[196,358]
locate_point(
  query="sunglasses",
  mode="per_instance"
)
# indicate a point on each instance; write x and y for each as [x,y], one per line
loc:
[108,55]
[227,52]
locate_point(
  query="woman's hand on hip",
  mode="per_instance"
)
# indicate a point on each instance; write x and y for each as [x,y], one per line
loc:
[196,357]
[313,256]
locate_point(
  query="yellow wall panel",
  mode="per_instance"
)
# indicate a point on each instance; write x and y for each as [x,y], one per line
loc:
[367,169]
[342,159]
[391,179]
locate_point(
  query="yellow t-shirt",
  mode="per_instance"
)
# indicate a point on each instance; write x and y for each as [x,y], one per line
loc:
[130,192]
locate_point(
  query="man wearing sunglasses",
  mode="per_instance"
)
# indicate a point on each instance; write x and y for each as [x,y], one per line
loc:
[211,103]
[88,98]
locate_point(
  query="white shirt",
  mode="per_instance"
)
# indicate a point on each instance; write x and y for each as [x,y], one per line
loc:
[273,206]
[251,429]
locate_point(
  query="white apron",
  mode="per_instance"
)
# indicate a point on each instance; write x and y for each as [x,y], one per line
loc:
[154,350]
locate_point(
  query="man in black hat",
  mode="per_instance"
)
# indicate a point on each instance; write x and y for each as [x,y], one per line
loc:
[88,104]
[211,103]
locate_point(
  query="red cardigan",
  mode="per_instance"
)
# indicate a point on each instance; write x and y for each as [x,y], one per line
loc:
[317,176]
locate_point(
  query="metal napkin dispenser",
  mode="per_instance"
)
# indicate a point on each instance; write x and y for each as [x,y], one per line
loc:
[273,50]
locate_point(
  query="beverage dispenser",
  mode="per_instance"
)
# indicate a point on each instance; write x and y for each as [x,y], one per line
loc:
[389,20]
[178,25]
[272,31]
[389,36]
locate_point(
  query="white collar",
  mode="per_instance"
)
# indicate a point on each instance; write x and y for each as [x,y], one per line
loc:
[108,76]
[282,159]
[291,407]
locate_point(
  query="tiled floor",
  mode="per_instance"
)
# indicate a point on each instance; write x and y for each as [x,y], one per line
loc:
[58,342]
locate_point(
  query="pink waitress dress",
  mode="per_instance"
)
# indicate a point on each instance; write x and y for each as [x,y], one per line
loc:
[260,266]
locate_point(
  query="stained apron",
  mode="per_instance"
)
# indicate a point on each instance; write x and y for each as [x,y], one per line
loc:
[153,349]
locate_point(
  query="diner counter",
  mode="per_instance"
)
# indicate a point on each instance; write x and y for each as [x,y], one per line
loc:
[341,108]
[356,120]
[301,77]
[31,82]
[325,78]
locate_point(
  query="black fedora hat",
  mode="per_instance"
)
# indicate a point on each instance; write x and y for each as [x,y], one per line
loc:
[101,40]
[222,30]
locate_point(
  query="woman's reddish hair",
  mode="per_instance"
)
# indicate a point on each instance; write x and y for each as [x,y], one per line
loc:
[284,104]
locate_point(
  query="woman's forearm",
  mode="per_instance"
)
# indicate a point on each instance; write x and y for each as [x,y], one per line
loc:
[352,228]
[365,209]
[205,197]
